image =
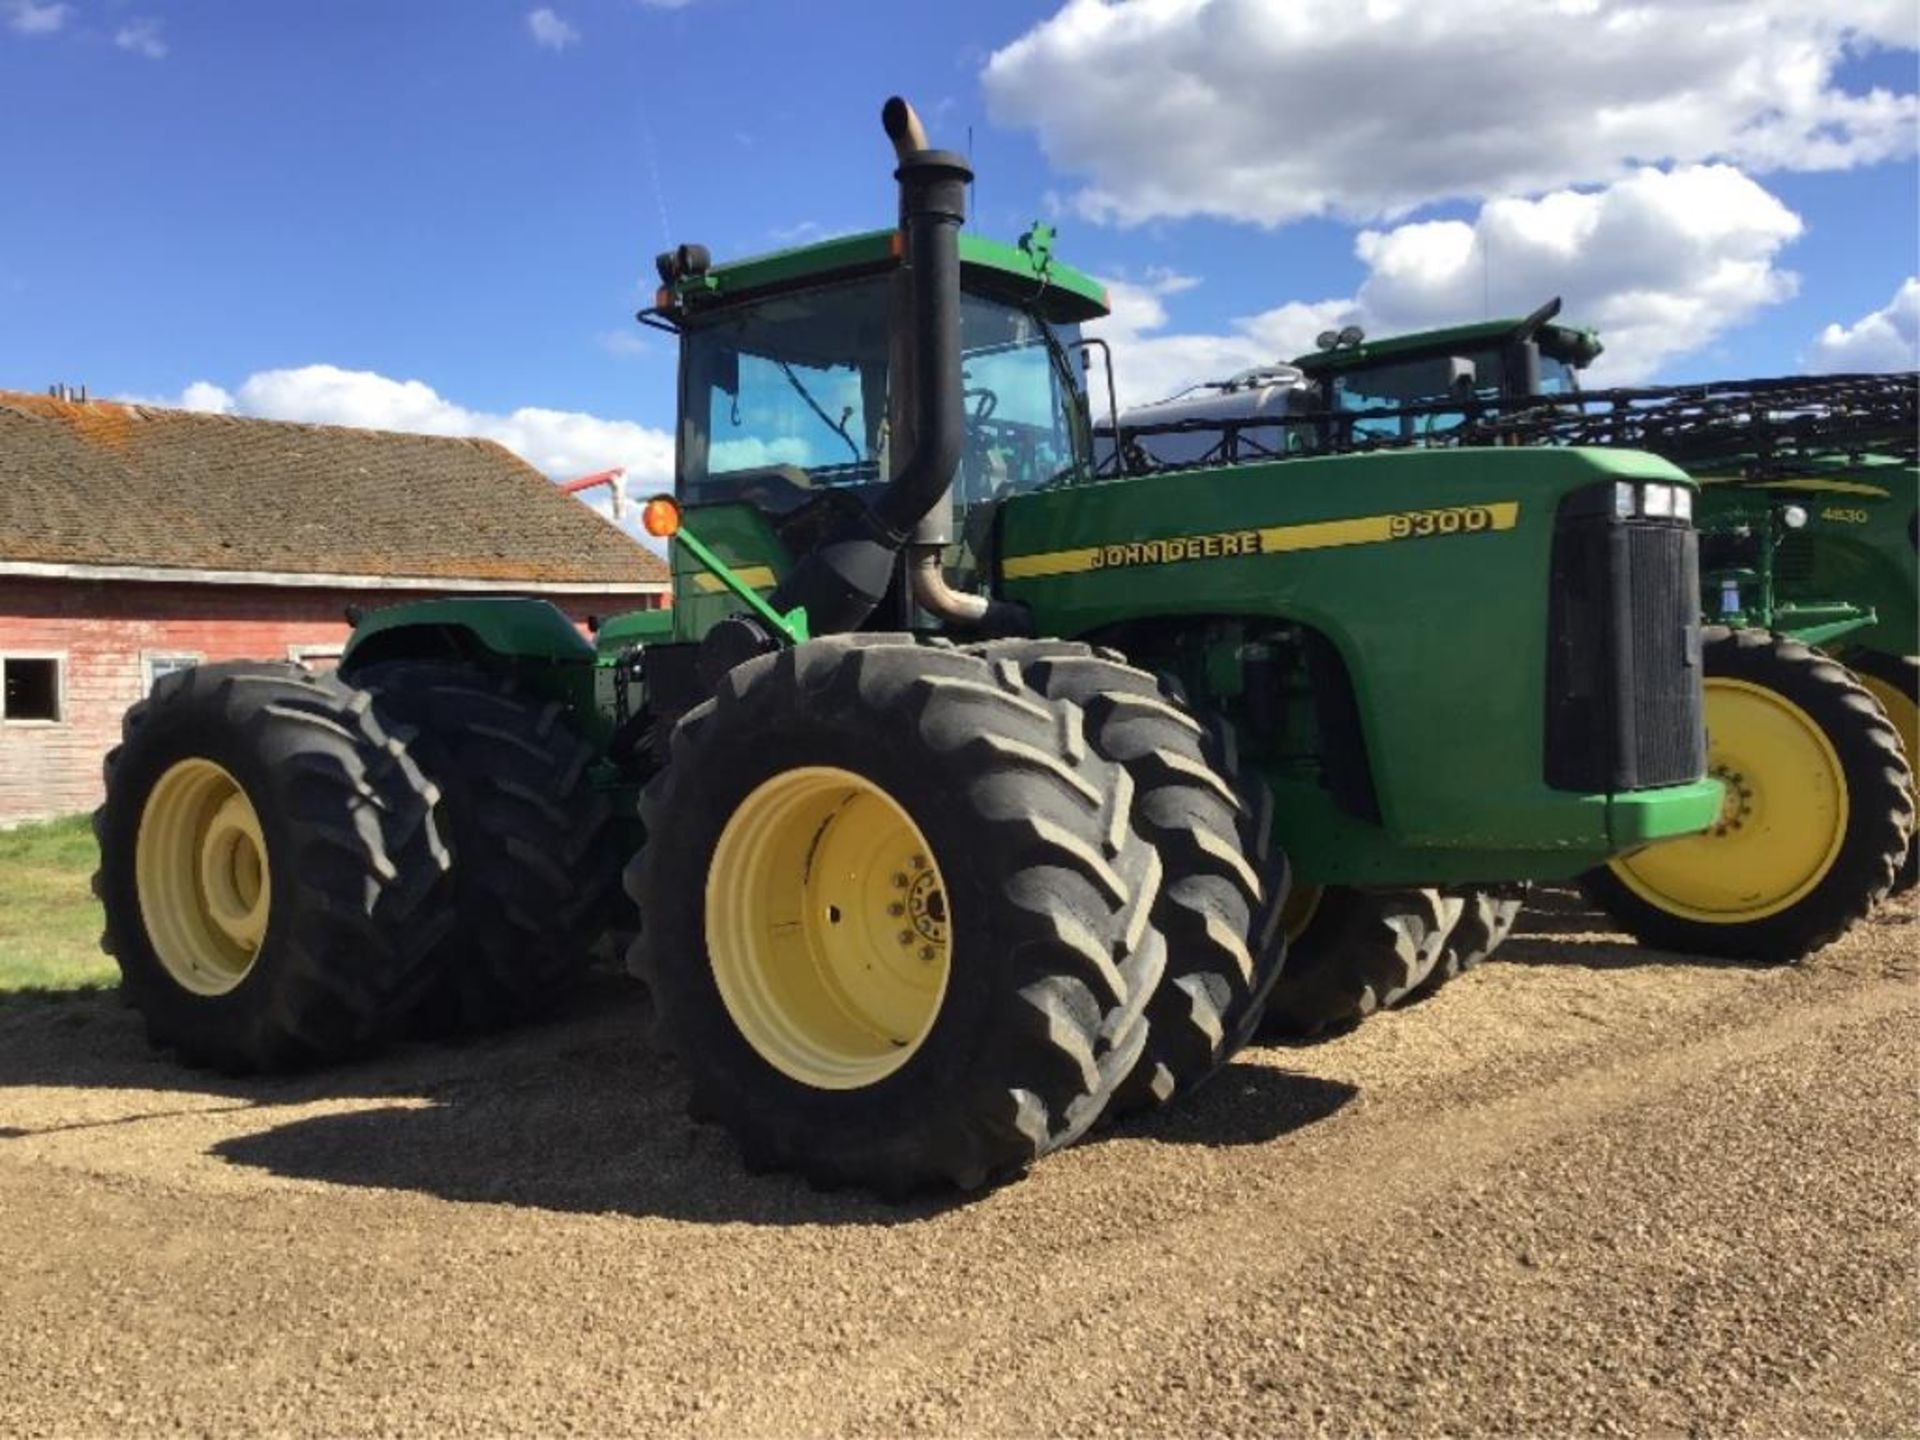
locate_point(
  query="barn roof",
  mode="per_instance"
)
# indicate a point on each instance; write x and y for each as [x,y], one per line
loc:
[96,484]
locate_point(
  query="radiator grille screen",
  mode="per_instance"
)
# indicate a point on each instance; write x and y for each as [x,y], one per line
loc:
[1623,667]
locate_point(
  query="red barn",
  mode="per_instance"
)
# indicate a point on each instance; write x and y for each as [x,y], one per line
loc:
[134,540]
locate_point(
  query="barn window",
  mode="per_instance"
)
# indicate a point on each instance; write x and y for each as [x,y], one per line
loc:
[158,665]
[30,687]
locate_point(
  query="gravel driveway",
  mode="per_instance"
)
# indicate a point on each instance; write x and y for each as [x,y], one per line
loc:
[1585,1189]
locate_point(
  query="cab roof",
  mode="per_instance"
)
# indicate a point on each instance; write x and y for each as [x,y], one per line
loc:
[1023,273]
[1577,346]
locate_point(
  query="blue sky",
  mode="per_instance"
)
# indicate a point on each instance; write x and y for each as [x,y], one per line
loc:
[464,194]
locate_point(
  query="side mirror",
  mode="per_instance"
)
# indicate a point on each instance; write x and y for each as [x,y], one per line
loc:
[1463,377]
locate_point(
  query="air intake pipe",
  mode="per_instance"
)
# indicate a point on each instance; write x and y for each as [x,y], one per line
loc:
[840,583]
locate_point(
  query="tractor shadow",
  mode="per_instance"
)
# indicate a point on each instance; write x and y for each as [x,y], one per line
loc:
[1559,927]
[579,1114]
[1243,1104]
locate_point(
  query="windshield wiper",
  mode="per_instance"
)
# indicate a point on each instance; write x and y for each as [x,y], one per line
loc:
[839,428]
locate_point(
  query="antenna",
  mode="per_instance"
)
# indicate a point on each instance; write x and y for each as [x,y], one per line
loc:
[1486,270]
[973,185]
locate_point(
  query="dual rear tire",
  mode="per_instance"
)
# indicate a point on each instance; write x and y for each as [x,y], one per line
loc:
[296,866]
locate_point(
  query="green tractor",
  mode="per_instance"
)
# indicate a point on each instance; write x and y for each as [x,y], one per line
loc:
[1807,517]
[958,791]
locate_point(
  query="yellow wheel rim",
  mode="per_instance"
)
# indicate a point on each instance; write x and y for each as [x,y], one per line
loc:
[1781,824]
[827,928]
[1900,709]
[1299,908]
[201,872]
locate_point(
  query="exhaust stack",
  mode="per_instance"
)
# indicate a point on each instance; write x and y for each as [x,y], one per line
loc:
[841,582]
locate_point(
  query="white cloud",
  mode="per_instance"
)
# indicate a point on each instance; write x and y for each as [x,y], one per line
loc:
[562,443]
[28,17]
[1273,110]
[1886,339]
[203,395]
[549,31]
[1661,263]
[1151,363]
[142,37]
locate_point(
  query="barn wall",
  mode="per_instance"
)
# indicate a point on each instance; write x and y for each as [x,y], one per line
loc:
[105,632]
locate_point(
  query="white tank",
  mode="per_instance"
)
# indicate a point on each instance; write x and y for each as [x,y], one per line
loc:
[1268,391]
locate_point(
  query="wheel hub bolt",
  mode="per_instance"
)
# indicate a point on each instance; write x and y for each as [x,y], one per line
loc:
[926,952]
[906,937]
[899,882]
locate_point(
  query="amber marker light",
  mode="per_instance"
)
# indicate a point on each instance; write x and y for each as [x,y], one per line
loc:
[660,518]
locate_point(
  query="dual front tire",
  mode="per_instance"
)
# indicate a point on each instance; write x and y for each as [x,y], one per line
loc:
[931,888]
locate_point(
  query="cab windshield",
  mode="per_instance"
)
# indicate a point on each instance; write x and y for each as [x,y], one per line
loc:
[794,394]
[1430,380]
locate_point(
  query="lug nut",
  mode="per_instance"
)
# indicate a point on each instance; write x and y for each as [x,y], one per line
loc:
[906,937]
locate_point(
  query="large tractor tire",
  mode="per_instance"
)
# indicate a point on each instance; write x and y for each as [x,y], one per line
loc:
[1894,680]
[1222,883]
[535,881]
[1487,917]
[1353,951]
[894,916]
[1816,824]
[271,868]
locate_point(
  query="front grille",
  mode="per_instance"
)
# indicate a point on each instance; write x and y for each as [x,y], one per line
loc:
[1623,664]
[1793,558]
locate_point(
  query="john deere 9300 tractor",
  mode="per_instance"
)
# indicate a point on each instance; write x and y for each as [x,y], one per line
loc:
[957,791]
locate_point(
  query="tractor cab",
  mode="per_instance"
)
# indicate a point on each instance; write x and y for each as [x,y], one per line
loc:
[1490,360]
[1396,388]
[796,395]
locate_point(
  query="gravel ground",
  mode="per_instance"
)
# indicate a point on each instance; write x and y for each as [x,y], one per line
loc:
[1586,1189]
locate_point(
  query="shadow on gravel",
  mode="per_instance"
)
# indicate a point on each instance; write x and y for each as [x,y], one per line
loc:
[1558,927]
[579,1114]
[1244,1105]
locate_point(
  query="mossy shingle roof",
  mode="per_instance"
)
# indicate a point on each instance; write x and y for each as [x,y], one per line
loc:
[98,483]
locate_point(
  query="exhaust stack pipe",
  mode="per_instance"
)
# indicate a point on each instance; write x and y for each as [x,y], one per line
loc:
[842,582]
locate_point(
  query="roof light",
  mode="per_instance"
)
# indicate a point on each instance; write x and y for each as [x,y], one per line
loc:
[1658,502]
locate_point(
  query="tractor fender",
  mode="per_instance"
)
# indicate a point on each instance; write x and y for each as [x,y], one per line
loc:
[511,628]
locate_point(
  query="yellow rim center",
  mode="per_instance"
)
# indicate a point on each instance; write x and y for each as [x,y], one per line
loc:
[1781,824]
[201,872]
[828,928]
[1299,908]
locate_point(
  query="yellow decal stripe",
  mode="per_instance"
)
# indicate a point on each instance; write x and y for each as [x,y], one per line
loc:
[1831,487]
[1273,539]
[757,577]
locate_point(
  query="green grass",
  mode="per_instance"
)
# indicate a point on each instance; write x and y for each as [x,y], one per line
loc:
[49,920]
